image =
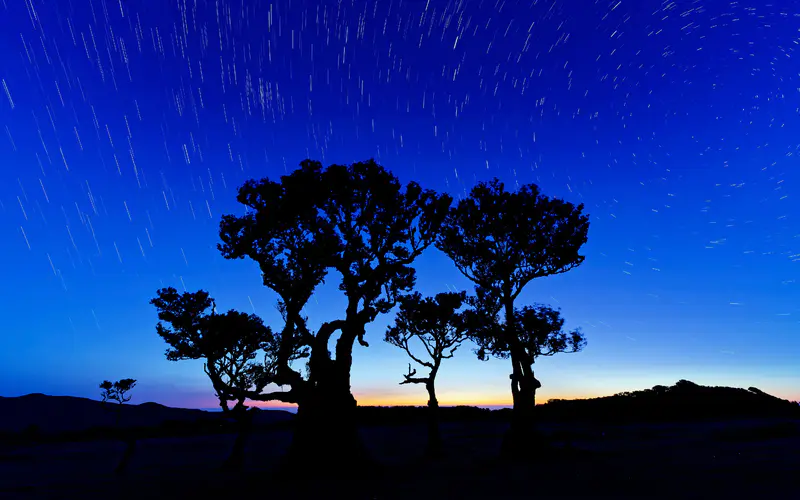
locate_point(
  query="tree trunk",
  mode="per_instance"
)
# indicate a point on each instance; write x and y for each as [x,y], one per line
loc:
[434,437]
[520,442]
[244,421]
[326,439]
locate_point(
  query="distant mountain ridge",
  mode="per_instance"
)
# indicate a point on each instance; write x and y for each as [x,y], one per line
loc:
[56,414]
[683,401]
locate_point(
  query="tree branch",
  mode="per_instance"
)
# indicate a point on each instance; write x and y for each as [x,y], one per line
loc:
[414,380]
[410,379]
[427,347]
[327,329]
[411,355]
[452,351]
[289,396]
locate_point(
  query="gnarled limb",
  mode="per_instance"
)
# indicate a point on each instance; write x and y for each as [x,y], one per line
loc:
[410,379]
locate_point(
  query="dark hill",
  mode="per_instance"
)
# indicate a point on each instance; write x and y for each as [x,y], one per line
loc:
[684,401]
[58,414]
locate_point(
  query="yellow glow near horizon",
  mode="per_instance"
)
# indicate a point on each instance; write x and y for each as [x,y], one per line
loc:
[421,399]
[410,400]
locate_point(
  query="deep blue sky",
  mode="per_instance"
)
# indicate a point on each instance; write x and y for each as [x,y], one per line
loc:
[127,126]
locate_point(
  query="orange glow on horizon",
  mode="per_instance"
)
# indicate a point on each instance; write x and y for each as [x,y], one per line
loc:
[420,400]
[378,400]
[411,400]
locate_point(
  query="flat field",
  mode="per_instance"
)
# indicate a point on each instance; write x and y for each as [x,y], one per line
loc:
[758,459]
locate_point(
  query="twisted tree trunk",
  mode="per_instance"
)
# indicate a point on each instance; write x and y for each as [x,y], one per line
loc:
[326,437]
[520,442]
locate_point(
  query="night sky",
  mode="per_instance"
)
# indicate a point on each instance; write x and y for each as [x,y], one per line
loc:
[128,125]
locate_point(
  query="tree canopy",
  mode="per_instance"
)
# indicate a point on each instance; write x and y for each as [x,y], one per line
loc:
[438,326]
[229,343]
[358,222]
[356,219]
[117,391]
[501,240]
[540,330]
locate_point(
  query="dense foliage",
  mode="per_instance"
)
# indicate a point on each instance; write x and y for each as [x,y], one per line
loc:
[360,222]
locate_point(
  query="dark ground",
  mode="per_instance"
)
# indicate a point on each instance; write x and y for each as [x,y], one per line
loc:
[758,459]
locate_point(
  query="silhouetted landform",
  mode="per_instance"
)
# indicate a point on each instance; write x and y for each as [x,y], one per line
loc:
[684,401]
[737,458]
[42,416]
[723,443]
[37,416]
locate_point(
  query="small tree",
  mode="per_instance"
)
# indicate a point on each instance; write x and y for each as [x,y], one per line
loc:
[229,344]
[502,240]
[108,391]
[439,327]
[118,391]
[539,329]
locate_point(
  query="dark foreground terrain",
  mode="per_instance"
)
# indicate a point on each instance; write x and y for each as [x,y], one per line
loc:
[685,441]
[757,459]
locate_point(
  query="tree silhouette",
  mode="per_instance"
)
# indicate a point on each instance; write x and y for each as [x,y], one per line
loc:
[108,391]
[502,240]
[436,324]
[118,391]
[229,343]
[539,330]
[358,221]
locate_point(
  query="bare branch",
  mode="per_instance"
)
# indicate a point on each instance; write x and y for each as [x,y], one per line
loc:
[411,355]
[410,379]
[283,396]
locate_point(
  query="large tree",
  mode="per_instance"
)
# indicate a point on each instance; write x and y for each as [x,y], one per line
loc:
[359,221]
[436,326]
[502,240]
[228,343]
